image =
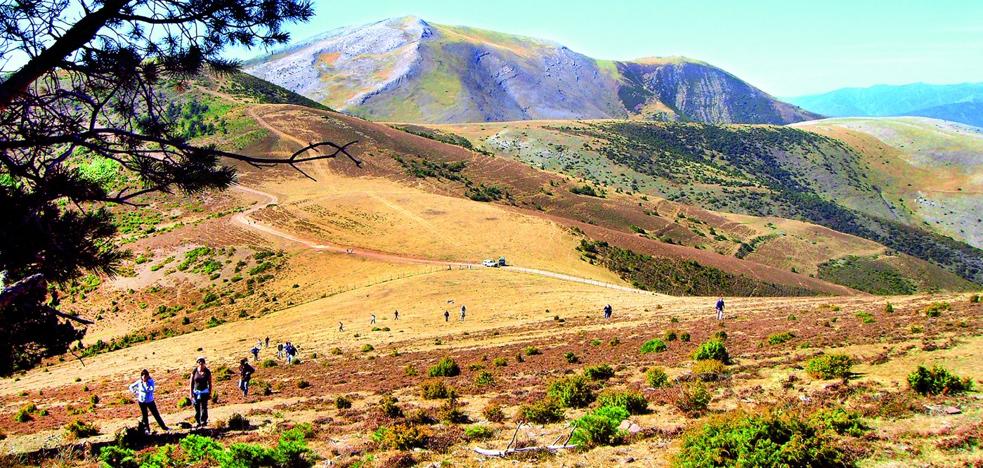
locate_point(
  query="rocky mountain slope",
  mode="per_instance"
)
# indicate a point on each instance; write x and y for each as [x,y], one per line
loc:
[407,69]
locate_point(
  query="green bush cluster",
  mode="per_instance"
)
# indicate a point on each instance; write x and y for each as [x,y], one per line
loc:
[597,373]
[389,407]
[484,378]
[342,402]
[446,367]
[937,380]
[79,429]
[935,309]
[478,432]
[544,411]
[631,401]
[829,366]
[657,377]
[713,349]
[574,391]
[709,370]
[600,427]
[654,345]
[435,390]
[779,338]
[401,436]
[692,398]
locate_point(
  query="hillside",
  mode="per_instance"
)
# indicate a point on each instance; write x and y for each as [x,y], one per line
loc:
[409,70]
[956,102]
[756,170]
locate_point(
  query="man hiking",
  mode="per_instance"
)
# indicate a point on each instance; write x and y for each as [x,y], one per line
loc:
[201,390]
[143,390]
[720,308]
[245,374]
[372,320]
[396,315]
[267,342]
[255,352]
[279,350]
[608,311]
[341,327]
[463,311]
[447,316]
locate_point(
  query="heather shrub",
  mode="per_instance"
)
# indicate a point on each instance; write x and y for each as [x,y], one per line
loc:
[937,380]
[600,427]
[713,349]
[829,366]
[631,401]
[692,398]
[656,377]
[573,391]
[779,338]
[598,373]
[435,389]
[446,367]
[709,370]
[654,345]
[544,411]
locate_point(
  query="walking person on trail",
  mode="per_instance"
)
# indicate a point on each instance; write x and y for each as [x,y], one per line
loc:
[255,352]
[396,315]
[143,390]
[463,311]
[279,350]
[372,320]
[245,374]
[267,342]
[608,311]
[447,316]
[720,308]
[341,326]
[291,352]
[201,390]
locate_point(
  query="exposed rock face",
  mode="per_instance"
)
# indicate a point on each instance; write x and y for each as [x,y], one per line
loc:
[409,70]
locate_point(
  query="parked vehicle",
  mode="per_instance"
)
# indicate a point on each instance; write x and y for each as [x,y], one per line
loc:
[490,263]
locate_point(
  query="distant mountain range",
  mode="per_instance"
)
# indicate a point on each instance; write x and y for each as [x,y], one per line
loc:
[956,102]
[406,69]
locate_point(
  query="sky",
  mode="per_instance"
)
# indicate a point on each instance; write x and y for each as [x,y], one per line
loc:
[785,47]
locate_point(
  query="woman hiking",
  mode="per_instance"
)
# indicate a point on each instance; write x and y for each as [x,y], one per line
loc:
[143,390]
[201,390]
[245,374]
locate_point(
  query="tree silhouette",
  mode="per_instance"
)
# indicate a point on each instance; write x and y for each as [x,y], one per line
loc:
[85,77]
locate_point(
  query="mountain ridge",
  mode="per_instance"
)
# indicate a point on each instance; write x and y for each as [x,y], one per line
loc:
[958,102]
[408,69]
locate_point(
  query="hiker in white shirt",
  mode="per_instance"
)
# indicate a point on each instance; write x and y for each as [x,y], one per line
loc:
[143,390]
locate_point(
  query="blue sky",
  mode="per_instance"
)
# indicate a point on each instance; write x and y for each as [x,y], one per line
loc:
[785,47]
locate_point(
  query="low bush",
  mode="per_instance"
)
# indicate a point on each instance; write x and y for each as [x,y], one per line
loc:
[401,437]
[478,432]
[435,390]
[684,337]
[974,299]
[779,338]
[631,401]
[889,308]
[238,422]
[750,439]
[302,384]
[839,421]
[544,411]
[500,362]
[713,349]
[198,448]
[829,366]
[692,398]
[935,309]
[78,429]
[389,407]
[24,413]
[493,412]
[267,363]
[184,402]
[342,402]
[450,412]
[656,377]
[484,378]
[865,317]
[654,345]
[937,380]
[600,427]
[367,348]
[262,387]
[223,374]
[670,335]
[114,456]
[571,358]
[574,391]
[709,370]
[532,351]
[446,367]
[719,335]
[599,373]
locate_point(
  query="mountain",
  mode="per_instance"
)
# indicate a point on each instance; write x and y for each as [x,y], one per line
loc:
[406,69]
[955,102]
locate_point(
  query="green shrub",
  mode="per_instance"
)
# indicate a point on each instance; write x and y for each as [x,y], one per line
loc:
[248,455]
[571,358]
[544,411]
[435,389]
[302,384]
[23,415]
[684,336]
[631,401]
[770,439]
[292,450]
[78,429]
[267,363]
[656,377]
[598,373]
[114,456]
[713,349]
[935,309]
[366,348]
[829,366]
[401,437]
[500,362]
[163,457]
[937,381]
[478,432]
[654,345]
[410,370]
[709,370]
[184,402]
[839,421]
[779,338]
[342,402]
[532,351]
[719,336]
[600,427]
[692,397]
[389,407]
[865,317]
[974,299]
[670,335]
[198,448]
[574,391]
[446,367]
[889,308]
[484,378]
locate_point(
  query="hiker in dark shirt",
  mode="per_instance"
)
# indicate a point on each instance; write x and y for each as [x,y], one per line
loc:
[447,316]
[255,352]
[201,390]
[245,373]
[463,312]
[608,311]
[396,315]
[279,350]
[267,342]
[720,308]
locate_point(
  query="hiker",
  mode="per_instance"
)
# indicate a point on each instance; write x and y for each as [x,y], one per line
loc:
[201,390]
[396,315]
[255,352]
[720,308]
[279,350]
[608,311]
[372,320]
[341,327]
[463,311]
[267,342]
[143,390]
[447,316]
[291,352]
[245,373]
